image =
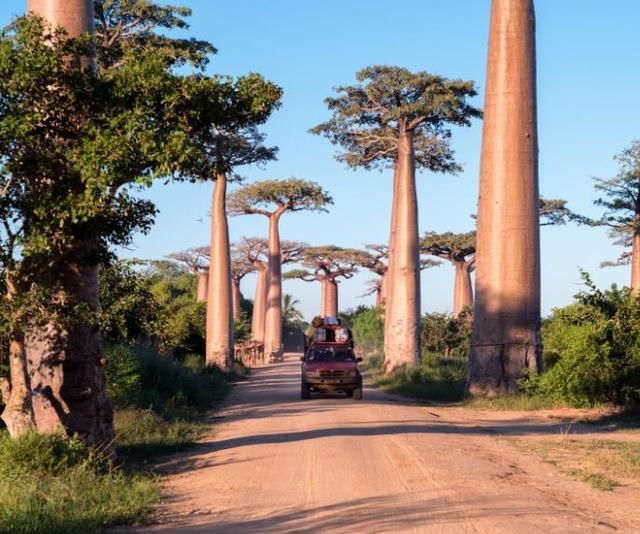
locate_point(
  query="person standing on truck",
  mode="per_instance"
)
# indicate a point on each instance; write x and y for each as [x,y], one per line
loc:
[309,333]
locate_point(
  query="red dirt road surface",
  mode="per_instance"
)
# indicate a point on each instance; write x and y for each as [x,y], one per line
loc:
[274,463]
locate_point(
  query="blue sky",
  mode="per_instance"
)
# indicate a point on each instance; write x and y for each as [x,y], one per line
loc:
[589,82]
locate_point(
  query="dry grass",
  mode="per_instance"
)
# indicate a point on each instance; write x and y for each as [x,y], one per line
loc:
[602,463]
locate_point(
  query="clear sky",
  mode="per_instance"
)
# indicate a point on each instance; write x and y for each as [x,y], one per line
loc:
[589,82]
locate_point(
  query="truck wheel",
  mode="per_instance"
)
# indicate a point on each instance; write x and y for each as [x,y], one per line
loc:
[357,393]
[349,393]
[305,393]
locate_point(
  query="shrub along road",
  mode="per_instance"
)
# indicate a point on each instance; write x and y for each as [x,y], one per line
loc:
[385,464]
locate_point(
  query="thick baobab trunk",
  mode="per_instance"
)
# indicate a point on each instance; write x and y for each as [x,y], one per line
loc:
[403,332]
[462,292]
[66,361]
[76,16]
[506,329]
[273,322]
[388,304]
[219,335]
[259,304]
[203,286]
[331,298]
[237,298]
[635,264]
[18,411]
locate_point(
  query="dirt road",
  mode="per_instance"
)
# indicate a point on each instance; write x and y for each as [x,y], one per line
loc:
[278,464]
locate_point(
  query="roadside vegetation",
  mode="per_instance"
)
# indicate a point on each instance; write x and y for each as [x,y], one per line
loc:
[160,389]
[591,355]
[602,463]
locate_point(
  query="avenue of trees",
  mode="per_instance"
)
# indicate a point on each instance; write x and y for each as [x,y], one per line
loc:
[98,102]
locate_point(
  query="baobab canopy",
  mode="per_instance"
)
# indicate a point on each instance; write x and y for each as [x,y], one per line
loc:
[292,193]
[366,117]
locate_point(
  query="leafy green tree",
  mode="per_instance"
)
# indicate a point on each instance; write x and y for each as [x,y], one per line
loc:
[394,117]
[130,311]
[78,143]
[621,201]
[272,199]
[368,332]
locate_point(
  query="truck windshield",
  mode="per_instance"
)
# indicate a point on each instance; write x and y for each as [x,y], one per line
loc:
[328,354]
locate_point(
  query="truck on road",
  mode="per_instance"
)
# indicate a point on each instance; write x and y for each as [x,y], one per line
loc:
[331,367]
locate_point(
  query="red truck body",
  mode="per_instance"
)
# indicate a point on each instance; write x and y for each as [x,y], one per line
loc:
[331,367]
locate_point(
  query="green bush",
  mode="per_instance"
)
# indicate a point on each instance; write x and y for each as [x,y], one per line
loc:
[52,484]
[436,378]
[140,377]
[592,349]
[447,335]
[368,331]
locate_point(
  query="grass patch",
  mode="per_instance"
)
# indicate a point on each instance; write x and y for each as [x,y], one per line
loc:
[141,434]
[438,378]
[53,484]
[523,402]
[598,462]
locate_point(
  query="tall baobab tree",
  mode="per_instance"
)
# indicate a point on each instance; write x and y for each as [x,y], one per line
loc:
[272,199]
[196,259]
[506,328]
[326,265]
[230,148]
[621,200]
[394,117]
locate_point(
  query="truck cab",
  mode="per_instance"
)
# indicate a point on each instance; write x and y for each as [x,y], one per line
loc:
[331,367]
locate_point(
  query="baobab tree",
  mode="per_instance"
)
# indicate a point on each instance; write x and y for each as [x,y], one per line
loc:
[394,117]
[327,265]
[459,250]
[63,123]
[272,199]
[196,260]
[250,103]
[621,200]
[506,327]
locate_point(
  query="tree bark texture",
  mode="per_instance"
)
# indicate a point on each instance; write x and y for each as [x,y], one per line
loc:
[219,333]
[66,364]
[635,264]
[237,298]
[259,304]
[462,291]
[388,306]
[273,322]
[323,298]
[403,333]
[506,329]
[203,285]
[66,361]
[18,413]
[331,297]
[76,16]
